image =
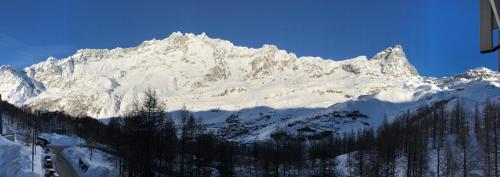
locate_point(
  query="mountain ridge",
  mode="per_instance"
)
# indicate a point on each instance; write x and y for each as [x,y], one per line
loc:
[214,74]
[268,60]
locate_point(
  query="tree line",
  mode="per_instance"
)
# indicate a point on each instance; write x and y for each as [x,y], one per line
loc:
[443,139]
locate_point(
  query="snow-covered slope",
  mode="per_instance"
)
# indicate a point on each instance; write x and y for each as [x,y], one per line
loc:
[102,164]
[15,160]
[16,87]
[261,89]
[472,88]
[205,73]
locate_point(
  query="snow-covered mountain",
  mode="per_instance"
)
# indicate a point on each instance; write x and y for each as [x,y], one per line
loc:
[16,87]
[260,89]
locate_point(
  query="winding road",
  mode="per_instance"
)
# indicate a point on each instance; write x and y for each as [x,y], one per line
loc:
[63,167]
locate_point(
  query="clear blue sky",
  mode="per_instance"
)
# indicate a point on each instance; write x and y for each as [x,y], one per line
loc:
[440,37]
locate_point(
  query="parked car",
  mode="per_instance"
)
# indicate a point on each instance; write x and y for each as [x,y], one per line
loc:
[51,173]
[48,164]
[42,142]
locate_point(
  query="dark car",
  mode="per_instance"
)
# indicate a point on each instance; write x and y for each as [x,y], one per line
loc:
[48,163]
[51,173]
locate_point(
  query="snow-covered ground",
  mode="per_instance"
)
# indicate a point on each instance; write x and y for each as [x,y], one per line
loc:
[15,160]
[100,165]
[342,164]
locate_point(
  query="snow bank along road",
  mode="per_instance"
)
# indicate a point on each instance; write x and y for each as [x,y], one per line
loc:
[16,160]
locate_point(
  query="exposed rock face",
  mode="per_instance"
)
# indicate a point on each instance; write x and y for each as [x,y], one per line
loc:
[394,62]
[479,74]
[16,87]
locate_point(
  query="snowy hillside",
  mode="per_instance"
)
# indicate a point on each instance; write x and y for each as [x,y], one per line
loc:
[16,87]
[15,160]
[239,90]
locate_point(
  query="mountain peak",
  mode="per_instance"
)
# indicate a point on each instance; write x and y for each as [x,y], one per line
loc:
[179,35]
[51,59]
[480,73]
[6,68]
[16,87]
[394,62]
